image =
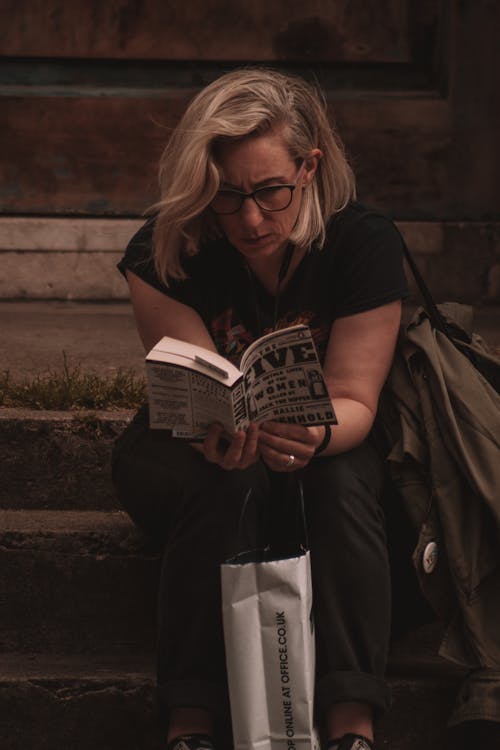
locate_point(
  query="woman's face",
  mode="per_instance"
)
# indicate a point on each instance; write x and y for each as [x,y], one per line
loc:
[261,161]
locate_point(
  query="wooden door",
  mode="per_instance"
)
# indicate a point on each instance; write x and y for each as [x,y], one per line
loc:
[90,89]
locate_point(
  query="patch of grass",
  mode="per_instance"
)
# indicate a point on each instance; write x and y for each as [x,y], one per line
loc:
[72,388]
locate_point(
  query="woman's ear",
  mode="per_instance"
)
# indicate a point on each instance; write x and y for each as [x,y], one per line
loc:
[311,164]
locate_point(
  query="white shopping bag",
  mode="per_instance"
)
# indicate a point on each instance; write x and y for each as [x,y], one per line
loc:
[270,655]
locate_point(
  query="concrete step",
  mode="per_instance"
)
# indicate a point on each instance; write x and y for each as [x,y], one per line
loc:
[78,593]
[94,702]
[68,258]
[98,337]
[86,582]
[58,459]
[103,338]
[75,582]
[90,702]
[61,459]
[78,581]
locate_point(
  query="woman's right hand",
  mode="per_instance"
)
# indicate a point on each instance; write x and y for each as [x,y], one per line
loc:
[240,453]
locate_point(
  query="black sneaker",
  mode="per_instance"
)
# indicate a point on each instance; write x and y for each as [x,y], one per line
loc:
[351,742]
[191,742]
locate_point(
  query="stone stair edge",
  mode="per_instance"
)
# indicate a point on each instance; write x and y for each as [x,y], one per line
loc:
[61,522]
[10,414]
[58,459]
[72,532]
[43,667]
[112,533]
[107,666]
[15,666]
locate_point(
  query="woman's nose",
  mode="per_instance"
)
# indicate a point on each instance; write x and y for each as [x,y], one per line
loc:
[250,213]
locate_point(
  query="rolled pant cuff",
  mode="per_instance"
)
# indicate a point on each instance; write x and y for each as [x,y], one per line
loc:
[338,687]
[192,694]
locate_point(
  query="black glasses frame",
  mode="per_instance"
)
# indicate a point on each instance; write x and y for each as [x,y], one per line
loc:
[254,196]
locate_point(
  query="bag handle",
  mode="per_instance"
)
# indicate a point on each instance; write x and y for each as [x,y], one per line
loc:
[286,489]
[460,339]
[436,317]
[288,527]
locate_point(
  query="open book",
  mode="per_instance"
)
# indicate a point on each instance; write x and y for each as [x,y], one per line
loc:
[279,379]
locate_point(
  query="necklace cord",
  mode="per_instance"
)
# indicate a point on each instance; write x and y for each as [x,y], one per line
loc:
[285,265]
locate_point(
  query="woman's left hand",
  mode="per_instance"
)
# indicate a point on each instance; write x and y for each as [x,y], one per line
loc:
[287,447]
[240,452]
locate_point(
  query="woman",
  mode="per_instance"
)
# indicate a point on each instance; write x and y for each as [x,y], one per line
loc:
[257,227]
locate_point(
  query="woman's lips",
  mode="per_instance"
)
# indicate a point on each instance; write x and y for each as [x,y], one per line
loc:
[255,240]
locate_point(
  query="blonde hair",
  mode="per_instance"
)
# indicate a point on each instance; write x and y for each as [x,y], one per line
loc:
[245,102]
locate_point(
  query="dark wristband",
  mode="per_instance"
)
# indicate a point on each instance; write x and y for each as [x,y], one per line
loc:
[321,447]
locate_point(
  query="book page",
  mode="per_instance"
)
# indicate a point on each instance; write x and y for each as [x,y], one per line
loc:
[195,357]
[187,401]
[284,381]
[189,388]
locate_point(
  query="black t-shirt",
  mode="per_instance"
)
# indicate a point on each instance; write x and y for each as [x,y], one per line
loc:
[360,267]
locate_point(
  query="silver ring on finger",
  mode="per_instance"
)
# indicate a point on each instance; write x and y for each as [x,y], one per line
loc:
[290,461]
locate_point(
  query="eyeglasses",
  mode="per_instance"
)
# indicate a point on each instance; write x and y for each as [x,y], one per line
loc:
[272,198]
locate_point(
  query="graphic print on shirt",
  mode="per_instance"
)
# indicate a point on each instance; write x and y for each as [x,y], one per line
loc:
[231,337]
[320,328]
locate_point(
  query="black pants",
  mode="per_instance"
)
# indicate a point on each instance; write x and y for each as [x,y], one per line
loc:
[192,508]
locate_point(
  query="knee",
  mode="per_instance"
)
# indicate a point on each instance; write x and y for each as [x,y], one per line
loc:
[148,475]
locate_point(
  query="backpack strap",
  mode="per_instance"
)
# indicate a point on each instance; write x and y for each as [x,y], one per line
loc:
[431,308]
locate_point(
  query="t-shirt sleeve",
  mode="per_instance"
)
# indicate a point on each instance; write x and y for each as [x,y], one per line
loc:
[369,268]
[138,258]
